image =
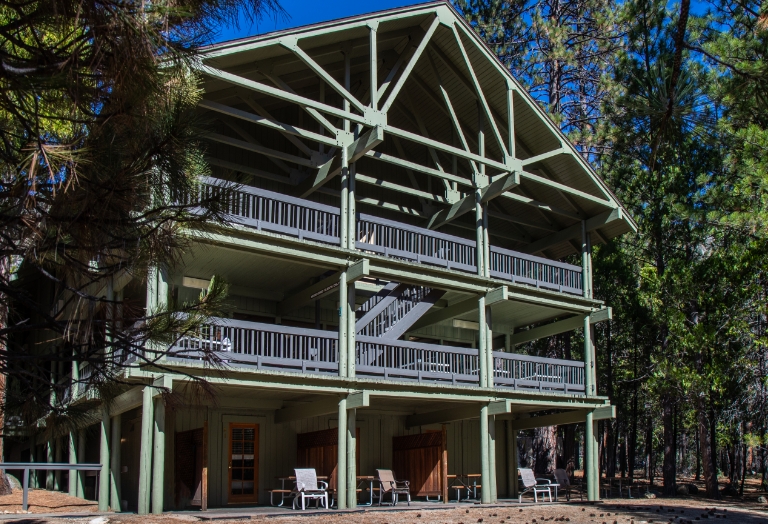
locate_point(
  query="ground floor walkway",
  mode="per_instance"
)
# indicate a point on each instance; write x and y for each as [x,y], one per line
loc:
[55,507]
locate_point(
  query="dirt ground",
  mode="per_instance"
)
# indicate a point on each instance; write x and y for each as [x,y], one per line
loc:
[42,501]
[682,510]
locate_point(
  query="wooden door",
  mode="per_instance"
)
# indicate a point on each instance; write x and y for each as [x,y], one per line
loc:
[421,460]
[320,450]
[243,463]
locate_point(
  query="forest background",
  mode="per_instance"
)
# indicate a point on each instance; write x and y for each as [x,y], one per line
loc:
[668,102]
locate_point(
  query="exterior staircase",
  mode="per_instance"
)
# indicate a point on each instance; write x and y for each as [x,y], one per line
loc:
[394,309]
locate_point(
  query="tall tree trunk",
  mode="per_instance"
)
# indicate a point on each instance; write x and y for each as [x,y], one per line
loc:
[706,445]
[698,456]
[5,275]
[649,466]
[669,469]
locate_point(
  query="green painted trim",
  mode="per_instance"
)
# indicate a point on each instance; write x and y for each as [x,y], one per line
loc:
[308,410]
[485,473]
[547,330]
[341,478]
[104,460]
[158,457]
[358,270]
[351,471]
[359,399]
[573,231]
[500,294]
[145,457]
[115,485]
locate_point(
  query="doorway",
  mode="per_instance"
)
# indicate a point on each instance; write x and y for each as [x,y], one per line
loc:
[243,463]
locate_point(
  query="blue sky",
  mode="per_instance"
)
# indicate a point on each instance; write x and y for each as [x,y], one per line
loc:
[303,12]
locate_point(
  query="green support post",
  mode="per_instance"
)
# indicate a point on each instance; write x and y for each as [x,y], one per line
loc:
[343,344]
[104,459]
[145,456]
[158,457]
[489,348]
[81,457]
[485,473]
[590,459]
[73,476]
[493,490]
[482,357]
[341,468]
[58,452]
[115,464]
[351,458]
[49,457]
[589,365]
[512,483]
[351,348]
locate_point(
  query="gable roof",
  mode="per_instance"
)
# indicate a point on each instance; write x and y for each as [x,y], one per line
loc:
[447,99]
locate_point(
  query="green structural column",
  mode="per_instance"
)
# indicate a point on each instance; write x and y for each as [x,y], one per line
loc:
[73,476]
[512,482]
[485,472]
[492,487]
[158,457]
[57,453]
[590,459]
[104,459]
[352,209]
[81,458]
[482,357]
[341,468]
[351,345]
[49,458]
[589,363]
[145,456]
[488,347]
[343,344]
[115,464]
[351,458]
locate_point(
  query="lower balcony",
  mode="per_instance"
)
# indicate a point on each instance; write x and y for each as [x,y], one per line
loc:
[243,344]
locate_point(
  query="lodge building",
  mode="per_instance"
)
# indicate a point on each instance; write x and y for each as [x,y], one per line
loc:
[401,211]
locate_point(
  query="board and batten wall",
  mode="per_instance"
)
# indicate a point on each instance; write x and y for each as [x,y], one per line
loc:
[277,446]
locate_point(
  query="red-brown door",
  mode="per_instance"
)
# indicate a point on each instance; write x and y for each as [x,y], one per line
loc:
[243,463]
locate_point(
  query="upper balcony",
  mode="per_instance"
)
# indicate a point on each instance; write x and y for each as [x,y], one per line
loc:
[304,219]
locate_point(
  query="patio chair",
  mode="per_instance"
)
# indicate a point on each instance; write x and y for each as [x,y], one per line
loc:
[393,487]
[564,485]
[309,488]
[532,484]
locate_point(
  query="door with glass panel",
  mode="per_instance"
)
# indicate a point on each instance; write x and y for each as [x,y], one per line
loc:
[243,462]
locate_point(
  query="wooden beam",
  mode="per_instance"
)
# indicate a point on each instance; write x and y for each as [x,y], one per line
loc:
[268,121]
[467,204]
[567,189]
[358,399]
[411,64]
[358,270]
[314,113]
[291,43]
[380,182]
[127,401]
[253,171]
[449,312]
[314,292]
[547,330]
[307,410]
[418,167]
[443,415]
[573,231]
[561,326]
[273,153]
[568,417]
[544,156]
[355,150]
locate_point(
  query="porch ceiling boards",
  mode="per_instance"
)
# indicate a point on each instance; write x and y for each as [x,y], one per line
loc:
[431,145]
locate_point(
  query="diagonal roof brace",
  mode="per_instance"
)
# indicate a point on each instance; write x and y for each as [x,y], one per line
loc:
[355,150]
[494,189]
